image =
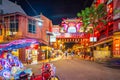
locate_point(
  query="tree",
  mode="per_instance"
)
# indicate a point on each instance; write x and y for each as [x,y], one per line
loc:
[93,16]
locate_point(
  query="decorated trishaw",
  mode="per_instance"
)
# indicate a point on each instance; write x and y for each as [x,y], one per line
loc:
[10,66]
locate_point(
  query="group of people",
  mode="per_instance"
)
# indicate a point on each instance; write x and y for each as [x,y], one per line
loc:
[66,53]
[29,58]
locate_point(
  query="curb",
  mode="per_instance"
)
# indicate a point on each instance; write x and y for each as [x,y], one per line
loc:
[46,60]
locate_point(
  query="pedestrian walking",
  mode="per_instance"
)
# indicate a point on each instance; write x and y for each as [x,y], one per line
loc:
[29,59]
[66,54]
[72,54]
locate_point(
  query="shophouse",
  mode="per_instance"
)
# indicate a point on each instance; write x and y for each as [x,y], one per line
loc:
[15,25]
[108,41]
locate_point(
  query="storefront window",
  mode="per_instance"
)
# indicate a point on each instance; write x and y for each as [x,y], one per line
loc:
[13,24]
[31,55]
[1,11]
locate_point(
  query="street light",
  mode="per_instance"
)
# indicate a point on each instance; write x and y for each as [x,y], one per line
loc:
[40,23]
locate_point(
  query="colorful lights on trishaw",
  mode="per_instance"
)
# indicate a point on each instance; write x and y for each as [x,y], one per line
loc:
[8,61]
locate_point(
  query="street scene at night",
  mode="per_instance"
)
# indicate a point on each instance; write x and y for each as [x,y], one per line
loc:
[59,40]
[77,69]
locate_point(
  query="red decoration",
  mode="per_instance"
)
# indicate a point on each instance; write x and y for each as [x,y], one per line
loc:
[110,8]
[36,46]
[27,47]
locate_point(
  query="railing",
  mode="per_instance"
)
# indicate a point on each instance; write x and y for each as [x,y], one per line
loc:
[100,56]
[101,36]
[11,37]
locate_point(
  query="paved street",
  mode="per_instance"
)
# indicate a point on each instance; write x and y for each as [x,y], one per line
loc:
[76,69]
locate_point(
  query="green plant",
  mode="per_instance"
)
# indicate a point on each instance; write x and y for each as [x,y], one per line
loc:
[92,17]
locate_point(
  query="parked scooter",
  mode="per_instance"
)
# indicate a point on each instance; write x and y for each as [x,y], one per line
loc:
[47,73]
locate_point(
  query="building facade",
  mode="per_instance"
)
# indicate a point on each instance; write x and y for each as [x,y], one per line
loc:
[109,40]
[70,35]
[17,25]
[116,26]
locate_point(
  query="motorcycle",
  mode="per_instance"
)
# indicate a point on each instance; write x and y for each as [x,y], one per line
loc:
[47,73]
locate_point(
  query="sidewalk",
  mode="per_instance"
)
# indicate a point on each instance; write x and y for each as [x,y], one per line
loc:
[51,59]
[36,68]
[47,60]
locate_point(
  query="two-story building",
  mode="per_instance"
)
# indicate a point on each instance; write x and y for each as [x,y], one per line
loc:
[15,24]
[108,42]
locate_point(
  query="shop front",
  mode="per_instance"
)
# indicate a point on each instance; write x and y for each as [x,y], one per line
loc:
[24,49]
[103,50]
[10,60]
[102,53]
[31,56]
[46,52]
[116,45]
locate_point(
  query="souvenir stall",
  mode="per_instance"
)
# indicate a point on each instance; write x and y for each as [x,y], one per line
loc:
[10,66]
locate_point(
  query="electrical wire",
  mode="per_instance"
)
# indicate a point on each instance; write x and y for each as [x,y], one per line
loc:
[32,7]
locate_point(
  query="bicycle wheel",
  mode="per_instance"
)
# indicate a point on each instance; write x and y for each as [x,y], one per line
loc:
[54,78]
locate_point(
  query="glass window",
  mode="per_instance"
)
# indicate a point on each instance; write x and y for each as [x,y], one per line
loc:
[31,26]
[1,11]
[14,26]
[34,29]
[0,2]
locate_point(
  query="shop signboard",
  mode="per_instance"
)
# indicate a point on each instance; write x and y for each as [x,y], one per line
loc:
[52,38]
[55,30]
[93,39]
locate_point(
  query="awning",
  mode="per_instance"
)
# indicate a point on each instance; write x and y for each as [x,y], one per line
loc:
[21,43]
[40,41]
[106,40]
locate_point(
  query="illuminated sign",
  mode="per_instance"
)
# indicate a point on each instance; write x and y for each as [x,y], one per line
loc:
[52,38]
[72,29]
[67,35]
[93,39]
[55,30]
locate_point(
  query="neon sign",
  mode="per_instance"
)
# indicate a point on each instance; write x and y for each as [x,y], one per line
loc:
[72,29]
[71,25]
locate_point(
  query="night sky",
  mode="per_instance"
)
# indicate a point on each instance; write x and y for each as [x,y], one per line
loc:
[54,9]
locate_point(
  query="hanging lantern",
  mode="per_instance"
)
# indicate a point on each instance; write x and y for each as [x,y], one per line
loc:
[110,8]
[36,46]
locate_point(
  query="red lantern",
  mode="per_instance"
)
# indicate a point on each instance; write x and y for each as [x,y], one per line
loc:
[110,8]
[36,46]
